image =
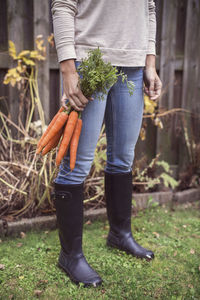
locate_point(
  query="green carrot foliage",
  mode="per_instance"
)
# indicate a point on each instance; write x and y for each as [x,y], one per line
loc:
[98,76]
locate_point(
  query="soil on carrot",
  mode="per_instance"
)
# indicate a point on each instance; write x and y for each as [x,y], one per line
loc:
[28,265]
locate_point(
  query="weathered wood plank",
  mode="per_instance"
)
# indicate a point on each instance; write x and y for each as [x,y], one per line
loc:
[3,26]
[181,24]
[41,27]
[15,30]
[165,144]
[54,92]
[191,84]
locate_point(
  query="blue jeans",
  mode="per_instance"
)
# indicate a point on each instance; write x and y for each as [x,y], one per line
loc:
[123,118]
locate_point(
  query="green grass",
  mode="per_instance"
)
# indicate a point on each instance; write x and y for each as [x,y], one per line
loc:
[30,264]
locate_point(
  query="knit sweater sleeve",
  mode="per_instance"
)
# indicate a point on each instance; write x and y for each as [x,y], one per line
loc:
[152,28]
[63,14]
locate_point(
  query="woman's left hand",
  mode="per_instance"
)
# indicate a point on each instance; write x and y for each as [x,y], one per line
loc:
[152,82]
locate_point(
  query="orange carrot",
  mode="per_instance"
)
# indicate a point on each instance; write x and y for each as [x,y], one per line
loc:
[60,121]
[68,132]
[50,125]
[74,143]
[53,142]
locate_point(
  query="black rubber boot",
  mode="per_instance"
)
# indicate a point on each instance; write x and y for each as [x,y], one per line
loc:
[118,191]
[69,210]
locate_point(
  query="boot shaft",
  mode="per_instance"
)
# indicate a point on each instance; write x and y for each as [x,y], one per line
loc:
[118,192]
[68,202]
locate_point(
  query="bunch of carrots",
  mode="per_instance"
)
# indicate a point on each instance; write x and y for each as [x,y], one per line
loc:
[67,125]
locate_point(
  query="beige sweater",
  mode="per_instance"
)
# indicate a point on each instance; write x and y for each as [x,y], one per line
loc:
[123,29]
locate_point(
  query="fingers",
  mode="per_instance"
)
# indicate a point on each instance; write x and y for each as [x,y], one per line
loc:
[77,100]
[151,88]
[154,90]
[75,105]
[82,98]
[158,87]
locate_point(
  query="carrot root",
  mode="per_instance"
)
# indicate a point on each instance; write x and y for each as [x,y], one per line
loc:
[74,143]
[68,132]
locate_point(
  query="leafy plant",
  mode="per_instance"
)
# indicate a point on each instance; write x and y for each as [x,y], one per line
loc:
[26,176]
[97,76]
[151,176]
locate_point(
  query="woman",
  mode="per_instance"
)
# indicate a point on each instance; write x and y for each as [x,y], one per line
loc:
[125,32]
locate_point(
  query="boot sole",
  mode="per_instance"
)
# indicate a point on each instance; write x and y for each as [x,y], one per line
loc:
[127,251]
[86,285]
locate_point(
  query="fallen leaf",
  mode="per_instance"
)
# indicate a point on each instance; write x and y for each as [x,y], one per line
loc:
[88,222]
[196,236]
[106,227]
[18,266]
[190,285]
[42,281]
[192,251]
[184,226]
[46,232]
[156,234]
[37,292]
[2,267]
[11,297]
[104,236]
[19,245]
[177,229]
[22,234]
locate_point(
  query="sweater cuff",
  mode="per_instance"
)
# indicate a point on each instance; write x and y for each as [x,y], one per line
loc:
[151,48]
[66,52]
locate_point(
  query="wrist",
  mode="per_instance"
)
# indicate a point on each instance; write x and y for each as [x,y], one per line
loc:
[67,66]
[150,61]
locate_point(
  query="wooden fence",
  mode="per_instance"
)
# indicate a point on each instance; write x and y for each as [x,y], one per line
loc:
[178,63]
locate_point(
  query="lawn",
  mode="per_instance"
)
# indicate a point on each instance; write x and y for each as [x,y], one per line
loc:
[28,265]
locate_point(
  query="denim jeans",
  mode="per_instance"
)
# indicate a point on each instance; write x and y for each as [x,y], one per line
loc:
[123,118]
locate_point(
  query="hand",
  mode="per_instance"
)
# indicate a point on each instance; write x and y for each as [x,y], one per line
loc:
[153,84]
[71,86]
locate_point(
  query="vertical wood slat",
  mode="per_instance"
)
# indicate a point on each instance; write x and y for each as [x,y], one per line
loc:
[41,26]
[191,80]
[167,75]
[3,26]
[15,30]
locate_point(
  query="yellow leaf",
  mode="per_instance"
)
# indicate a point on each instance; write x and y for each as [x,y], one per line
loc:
[23,53]
[158,123]
[13,82]
[12,50]
[40,44]
[142,134]
[149,105]
[12,73]
[6,80]
[51,39]
[28,62]
[36,55]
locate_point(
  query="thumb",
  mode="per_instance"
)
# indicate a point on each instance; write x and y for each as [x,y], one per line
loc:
[63,101]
